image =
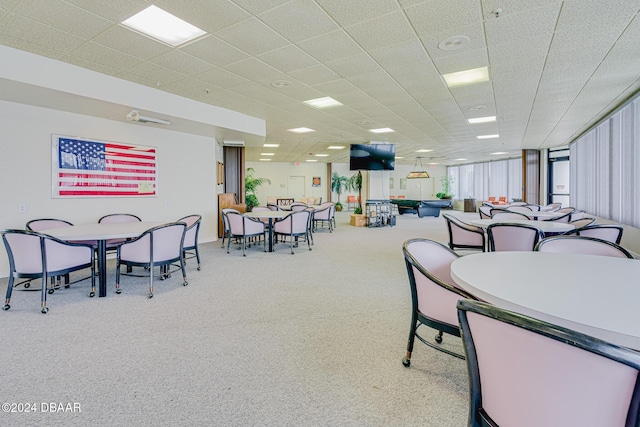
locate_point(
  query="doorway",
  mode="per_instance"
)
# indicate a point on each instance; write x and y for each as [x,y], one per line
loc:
[296,187]
[559,177]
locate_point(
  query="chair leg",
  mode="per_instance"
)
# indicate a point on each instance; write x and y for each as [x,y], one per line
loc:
[412,337]
[7,299]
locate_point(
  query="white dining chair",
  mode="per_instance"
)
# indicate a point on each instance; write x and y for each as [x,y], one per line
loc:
[159,247]
[34,255]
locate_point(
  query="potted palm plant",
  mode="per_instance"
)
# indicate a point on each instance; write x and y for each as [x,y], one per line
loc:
[251,184]
[338,185]
[355,183]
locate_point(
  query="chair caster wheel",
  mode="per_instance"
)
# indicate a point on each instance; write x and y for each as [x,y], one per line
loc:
[118,291]
[92,294]
[67,286]
[6,307]
[438,339]
[44,310]
[150,295]
[198,268]
[27,285]
[406,362]
[185,283]
[50,291]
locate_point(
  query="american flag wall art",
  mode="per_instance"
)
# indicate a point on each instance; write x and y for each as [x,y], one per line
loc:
[83,168]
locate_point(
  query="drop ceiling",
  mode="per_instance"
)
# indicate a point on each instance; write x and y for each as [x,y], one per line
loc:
[555,67]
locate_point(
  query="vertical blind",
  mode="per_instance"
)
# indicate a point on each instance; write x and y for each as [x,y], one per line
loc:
[481,180]
[605,167]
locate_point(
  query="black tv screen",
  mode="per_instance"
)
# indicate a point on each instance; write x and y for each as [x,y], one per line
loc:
[372,157]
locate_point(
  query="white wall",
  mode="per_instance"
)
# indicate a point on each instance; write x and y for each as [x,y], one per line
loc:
[186,171]
[379,188]
[279,174]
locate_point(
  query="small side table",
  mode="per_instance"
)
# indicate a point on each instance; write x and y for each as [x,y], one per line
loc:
[469,205]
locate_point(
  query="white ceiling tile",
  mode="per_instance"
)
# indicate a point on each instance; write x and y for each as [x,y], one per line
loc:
[222,78]
[182,62]
[330,46]
[252,36]
[439,16]
[351,12]
[215,51]
[368,35]
[63,16]
[130,42]
[161,75]
[353,65]
[258,6]
[314,75]
[43,35]
[210,16]
[299,20]
[112,58]
[288,58]
[253,69]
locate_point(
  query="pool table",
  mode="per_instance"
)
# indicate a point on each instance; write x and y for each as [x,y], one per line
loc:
[422,207]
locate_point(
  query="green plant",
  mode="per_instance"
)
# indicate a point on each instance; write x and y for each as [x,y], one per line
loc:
[355,183]
[338,185]
[251,184]
[446,181]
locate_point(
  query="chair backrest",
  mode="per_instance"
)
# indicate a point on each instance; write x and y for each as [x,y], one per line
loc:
[551,207]
[566,210]
[520,209]
[160,244]
[296,223]
[325,211]
[433,292]
[518,204]
[563,218]
[273,207]
[464,235]
[582,245]
[576,215]
[261,209]
[298,207]
[485,211]
[609,232]
[240,225]
[502,214]
[513,237]
[579,223]
[192,230]
[46,223]
[533,206]
[553,376]
[112,218]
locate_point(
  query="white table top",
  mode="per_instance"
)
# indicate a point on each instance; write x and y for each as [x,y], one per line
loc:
[268,214]
[102,231]
[545,226]
[596,295]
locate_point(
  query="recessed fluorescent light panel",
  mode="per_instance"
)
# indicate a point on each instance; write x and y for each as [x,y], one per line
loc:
[322,102]
[163,26]
[382,130]
[267,154]
[301,130]
[487,119]
[322,155]
[424,150]
[488,136]
[467,77]
[335,147]
[497,153]
[265,160]
[270,145]
[311,160]
[461,160]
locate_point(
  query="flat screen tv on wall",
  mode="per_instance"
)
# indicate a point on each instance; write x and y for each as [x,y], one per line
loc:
[372,157]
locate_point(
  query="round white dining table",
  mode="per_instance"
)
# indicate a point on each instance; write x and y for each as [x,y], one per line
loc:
[592,294]
[101,232]
[546,226]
